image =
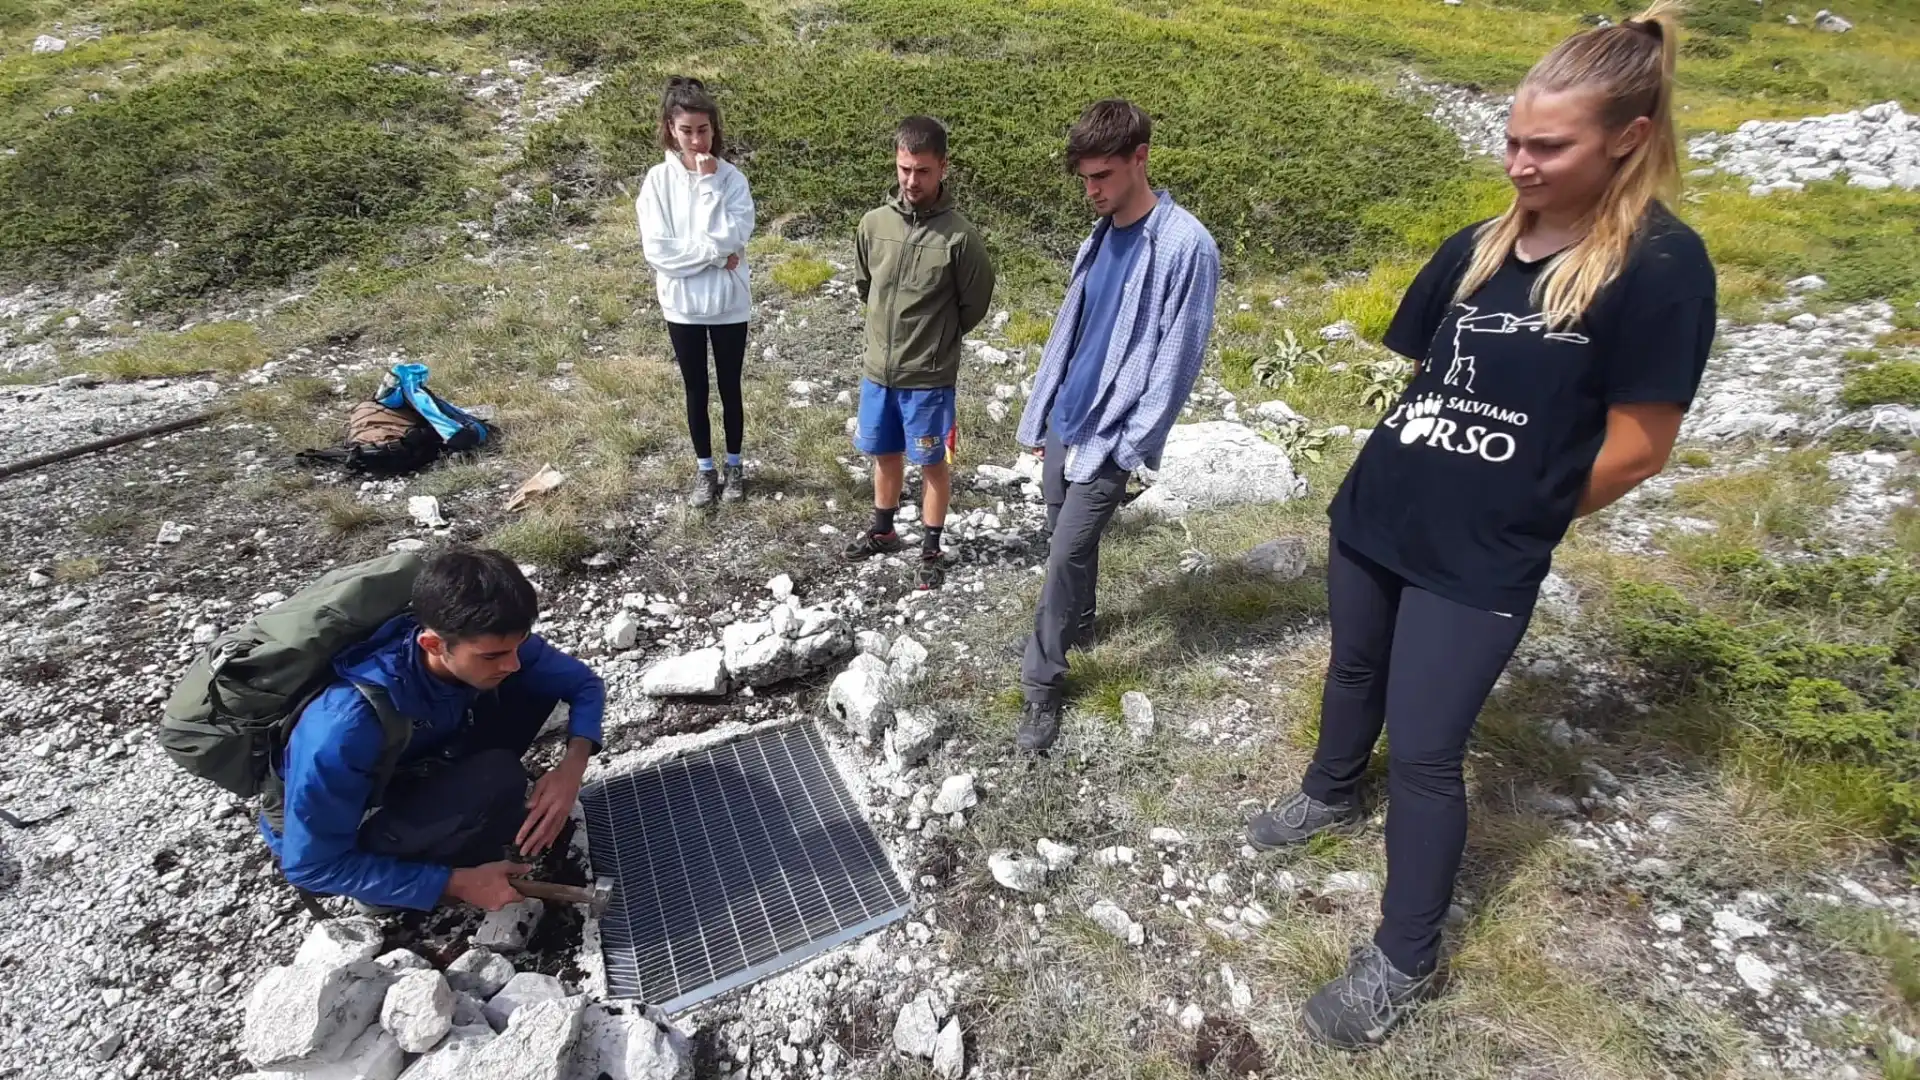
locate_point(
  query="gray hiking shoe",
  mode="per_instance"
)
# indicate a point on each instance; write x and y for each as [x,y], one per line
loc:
[361,907]
[1301,817]
[736,489]
[1361,1007]
[1039,726]
[706,488]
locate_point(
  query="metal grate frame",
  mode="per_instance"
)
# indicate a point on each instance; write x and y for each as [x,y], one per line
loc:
[732,863]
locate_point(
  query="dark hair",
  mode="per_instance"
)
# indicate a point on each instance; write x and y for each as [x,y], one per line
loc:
[688,94]
[921,135]
[1111,128]
[465,593]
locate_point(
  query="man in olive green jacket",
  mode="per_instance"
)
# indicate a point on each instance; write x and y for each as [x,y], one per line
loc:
[924,275]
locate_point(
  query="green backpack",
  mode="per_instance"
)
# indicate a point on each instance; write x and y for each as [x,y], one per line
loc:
[235,707]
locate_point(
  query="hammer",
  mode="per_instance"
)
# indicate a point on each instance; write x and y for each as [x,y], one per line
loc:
[595,896]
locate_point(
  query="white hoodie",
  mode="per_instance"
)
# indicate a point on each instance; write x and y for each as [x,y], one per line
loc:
[689,224]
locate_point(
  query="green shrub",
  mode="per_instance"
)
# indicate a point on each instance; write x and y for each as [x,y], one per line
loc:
[1418,225]
[1835,689]
[1762,76]
[1722,18]
[1889,382]
[231,16]
[236,177]
[583,33]
[1280,161]
[269,27]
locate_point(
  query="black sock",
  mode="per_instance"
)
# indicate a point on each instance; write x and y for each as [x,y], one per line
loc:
[930,543]
[882,521]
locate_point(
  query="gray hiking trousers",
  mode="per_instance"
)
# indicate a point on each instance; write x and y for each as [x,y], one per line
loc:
[1077,517]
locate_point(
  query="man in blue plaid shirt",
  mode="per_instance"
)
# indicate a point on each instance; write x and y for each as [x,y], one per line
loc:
[1123,355]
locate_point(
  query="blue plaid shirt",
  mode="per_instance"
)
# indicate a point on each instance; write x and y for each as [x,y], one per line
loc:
[1159,343]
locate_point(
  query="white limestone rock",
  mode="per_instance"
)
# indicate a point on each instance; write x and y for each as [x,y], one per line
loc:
[1214,464]
[525,988]
[861,697]
[340,942]
[480,972]
[621,1041]
[1114,919]
[702,673]
[956,794]
[916,1031]
[418,1011]
[1136,709]
[507,930]
[309,1014]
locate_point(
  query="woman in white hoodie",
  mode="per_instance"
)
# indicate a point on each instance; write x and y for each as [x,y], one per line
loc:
[696,215]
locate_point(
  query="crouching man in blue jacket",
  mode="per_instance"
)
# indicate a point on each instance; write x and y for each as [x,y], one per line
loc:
[465,668]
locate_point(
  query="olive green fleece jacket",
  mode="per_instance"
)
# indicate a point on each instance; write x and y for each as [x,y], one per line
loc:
[926,280]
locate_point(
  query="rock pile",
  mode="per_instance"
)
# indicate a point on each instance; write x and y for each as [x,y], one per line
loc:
[336,1013]
[1775,380]
[793,641]
[918,1032]
[1877,148]
[867,699]
[1479,120]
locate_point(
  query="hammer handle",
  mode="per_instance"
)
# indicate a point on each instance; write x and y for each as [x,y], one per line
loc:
[552,891]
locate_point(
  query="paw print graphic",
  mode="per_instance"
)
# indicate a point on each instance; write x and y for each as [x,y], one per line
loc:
[1420,416]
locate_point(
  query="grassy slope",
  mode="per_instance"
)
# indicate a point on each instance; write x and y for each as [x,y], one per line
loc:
[219,126]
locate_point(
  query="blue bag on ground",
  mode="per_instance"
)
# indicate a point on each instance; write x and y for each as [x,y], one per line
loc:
[405,427]
[406,385]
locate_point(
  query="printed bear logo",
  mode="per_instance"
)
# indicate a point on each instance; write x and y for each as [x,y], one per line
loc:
[1419,417]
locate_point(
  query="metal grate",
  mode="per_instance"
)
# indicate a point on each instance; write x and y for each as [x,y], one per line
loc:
[730,864]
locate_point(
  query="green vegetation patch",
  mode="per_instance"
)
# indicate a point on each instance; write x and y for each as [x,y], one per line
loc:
[802,276]
[1814,661]
[1889,382]
[237,177]
[582,33]
[1281,161]
[221,347]
[1865,243]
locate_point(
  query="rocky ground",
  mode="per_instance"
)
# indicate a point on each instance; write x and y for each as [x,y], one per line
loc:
[172,916]
[1876,148]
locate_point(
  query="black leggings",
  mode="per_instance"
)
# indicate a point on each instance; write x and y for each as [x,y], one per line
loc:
[1421,666]
[729,355]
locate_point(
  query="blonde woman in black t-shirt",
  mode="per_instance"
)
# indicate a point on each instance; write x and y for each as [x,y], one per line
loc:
[1557,349]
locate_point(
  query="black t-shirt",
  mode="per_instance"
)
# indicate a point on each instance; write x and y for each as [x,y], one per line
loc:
[1472,479]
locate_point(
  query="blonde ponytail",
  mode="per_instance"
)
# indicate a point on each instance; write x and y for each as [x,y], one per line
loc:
[1631,65]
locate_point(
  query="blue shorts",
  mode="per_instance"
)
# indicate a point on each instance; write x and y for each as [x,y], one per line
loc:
[918,423]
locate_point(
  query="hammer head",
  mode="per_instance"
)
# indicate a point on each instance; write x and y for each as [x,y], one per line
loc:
[602,890]
[595,896]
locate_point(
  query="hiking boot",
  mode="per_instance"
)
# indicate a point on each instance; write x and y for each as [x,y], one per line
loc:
[736,485]
[706,488]
[1359,1009]
[869,544]
[361,907]
[1039,725]
[1299,818]
[932,572]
